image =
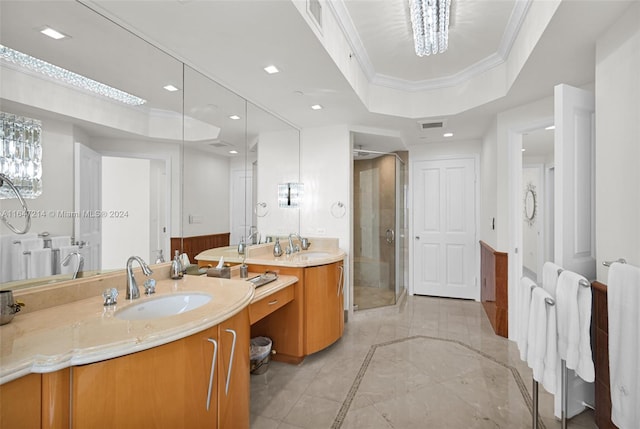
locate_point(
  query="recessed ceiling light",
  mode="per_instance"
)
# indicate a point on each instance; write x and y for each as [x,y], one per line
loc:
[54,34]
[234,117]
[271,69]
[550,127]
[170,88]
[523,149]
[447,135]
[233,151]
[316,107]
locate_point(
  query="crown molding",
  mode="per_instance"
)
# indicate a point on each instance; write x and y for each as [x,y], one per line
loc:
[346,25]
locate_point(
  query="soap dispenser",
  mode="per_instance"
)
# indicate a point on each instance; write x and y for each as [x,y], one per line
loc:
[277,248]
[241,246]
[176,267]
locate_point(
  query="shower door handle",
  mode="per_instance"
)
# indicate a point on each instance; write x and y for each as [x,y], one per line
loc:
[390,236]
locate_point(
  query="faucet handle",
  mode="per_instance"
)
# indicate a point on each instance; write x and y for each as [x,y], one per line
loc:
[149,286]
[110,296]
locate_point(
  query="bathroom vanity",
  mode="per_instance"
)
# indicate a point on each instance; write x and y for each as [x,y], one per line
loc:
[81,365]
[69,361]
[313,316]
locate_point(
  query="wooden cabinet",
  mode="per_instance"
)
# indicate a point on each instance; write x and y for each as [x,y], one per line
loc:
[313,320]
[494,279]
[285,326]
[36,401]
[323,306]
[20,402]
[201,381]
[600,340]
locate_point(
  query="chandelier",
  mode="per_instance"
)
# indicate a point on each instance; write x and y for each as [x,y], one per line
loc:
[430,22]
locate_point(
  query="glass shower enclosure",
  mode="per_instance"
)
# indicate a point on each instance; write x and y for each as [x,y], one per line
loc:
[379,229]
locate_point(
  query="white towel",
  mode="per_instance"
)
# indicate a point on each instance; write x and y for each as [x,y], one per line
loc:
[60,241]
[574,324]
[20,260]
[550,277]
[39,264]
[63,253]
[624,344]
[542,351]
[524,304]
[10,261]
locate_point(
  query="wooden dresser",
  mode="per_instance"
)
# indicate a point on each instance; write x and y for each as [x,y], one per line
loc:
[494,279]
[600,339]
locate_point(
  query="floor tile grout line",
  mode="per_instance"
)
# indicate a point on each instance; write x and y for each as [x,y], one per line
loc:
[346,404]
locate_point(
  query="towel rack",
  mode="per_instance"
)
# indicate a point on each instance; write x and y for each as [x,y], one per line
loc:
[534,391]
[564,372]
[619,260]
[582,282]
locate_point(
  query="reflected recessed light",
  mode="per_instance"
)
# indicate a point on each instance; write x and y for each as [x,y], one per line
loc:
[271,69]
[234,117]
[316,107]
[447,135]
[523,149]
[170,88]
[233,151]
[54,34]
[550,127]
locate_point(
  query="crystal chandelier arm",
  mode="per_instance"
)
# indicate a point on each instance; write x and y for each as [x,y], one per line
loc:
[27,226]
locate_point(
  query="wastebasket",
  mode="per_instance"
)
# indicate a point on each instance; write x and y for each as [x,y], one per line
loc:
[260,353]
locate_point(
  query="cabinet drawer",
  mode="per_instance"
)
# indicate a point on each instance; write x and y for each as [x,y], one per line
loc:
[269,304]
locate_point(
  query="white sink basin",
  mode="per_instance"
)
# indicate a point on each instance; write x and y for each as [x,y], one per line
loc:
[313,255]
[164,306]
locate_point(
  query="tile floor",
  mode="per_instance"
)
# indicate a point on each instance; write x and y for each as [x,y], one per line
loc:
[366,297]
[424,363]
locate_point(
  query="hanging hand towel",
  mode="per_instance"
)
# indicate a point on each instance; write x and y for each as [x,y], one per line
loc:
[574,324]
[60,241]
[624,344]
[524,304]
[39,263]
[550,277]
[542,352]
[21,260]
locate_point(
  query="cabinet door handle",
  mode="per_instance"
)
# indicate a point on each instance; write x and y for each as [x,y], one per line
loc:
[233,352]
[275,301]
[341,280]
[213,369]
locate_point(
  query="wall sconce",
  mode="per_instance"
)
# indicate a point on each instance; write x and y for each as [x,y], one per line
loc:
[21,155]
[290,194]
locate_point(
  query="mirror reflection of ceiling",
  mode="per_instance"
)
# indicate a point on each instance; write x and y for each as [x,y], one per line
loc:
[538,143]
[232,41]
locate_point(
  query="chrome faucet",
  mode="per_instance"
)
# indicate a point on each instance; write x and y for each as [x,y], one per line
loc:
[254,237]
[79,262]
[291,248]
[132,287]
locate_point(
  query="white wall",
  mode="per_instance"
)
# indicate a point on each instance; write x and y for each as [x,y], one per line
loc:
[618,142]
[128,227]
[488,185]
[206,199]
[325,170]
[278,162]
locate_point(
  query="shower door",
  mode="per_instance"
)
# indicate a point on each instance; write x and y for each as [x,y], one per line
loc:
[378,231]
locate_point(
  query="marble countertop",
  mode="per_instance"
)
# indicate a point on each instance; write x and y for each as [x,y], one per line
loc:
[85,331]
[320,253]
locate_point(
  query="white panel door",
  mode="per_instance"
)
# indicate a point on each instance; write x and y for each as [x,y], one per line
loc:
[241,205]
[574,113]
[88,199]
[445,228]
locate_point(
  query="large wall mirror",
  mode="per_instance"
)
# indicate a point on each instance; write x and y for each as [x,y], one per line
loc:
[119,179]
